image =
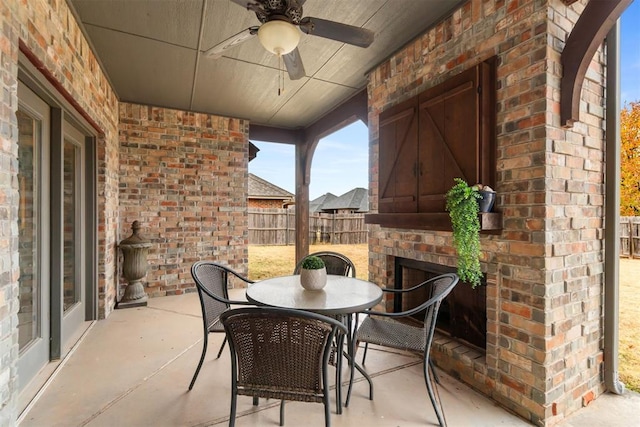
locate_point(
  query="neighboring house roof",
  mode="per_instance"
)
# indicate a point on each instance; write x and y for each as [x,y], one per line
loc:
[253,151]
[356,200]
[262,189]
[317,204]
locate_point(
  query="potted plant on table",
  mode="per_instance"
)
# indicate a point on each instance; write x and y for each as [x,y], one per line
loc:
[463,207]
[313,274]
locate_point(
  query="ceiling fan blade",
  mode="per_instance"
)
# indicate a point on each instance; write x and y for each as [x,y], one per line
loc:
[293,62]
[250,5]
[219,49]
[336,31]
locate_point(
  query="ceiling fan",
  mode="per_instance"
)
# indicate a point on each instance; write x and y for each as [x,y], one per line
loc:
[279,35]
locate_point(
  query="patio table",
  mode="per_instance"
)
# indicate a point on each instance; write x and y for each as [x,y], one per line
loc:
[342,296]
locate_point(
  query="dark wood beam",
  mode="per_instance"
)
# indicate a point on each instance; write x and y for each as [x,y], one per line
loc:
[303,166]
[588,34]
[355,108]
[273,134]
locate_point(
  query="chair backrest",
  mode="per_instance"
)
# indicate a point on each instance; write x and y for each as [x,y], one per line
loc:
[212,281]
[279,353]
[334,262]
[441,286]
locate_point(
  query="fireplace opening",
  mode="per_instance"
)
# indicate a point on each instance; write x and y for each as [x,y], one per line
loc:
[463,313]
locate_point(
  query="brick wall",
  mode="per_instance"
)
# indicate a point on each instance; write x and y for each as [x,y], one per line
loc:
[544,270]
[9,268]
[184,177]
[48,32]
[266,204]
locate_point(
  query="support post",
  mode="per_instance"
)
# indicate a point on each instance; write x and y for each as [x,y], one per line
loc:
[612,215]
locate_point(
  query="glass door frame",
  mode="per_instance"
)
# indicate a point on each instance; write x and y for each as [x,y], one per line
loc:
[37,351]
[64,115]
[65,324]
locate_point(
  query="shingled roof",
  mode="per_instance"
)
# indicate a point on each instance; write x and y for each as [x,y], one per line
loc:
[317,204]
[262,189]
[356,200]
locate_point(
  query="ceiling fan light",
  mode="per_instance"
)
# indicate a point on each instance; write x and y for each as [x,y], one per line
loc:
[279,37]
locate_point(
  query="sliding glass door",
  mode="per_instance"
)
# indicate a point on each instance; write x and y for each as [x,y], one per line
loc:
[72,234]
[56,233]
[33,226]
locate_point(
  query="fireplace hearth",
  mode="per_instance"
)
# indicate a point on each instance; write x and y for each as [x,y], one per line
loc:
[463,314]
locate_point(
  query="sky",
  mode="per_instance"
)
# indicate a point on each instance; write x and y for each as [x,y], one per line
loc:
[340,162]
[630,54]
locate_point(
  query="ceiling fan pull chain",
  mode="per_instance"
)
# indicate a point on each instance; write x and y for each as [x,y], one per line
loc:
[283,68]
[280,75]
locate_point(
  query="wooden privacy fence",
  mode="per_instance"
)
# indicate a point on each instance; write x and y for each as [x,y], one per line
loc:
[277,227]
[630,236]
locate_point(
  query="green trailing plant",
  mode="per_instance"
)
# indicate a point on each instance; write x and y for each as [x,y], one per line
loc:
[312,263]
[462,205]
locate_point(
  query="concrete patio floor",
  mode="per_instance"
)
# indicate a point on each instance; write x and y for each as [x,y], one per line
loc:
[133,369]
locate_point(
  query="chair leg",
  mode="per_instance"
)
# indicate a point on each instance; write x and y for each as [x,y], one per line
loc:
[204,352]
[338,355]
[232,414]
[281,413]
[222,347]
[364,355]
[434,402]
[327,411]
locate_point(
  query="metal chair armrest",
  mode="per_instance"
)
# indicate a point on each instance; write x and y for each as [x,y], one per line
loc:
[224,300]
[400,291]
[244,279]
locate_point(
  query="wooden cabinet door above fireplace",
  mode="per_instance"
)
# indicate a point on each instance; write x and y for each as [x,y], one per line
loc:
[430,139]
[398,151]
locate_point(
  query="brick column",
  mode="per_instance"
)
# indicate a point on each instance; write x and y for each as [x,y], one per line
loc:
[544,271]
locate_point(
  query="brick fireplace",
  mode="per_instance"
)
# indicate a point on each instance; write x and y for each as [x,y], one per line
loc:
[463,314]
[542,353]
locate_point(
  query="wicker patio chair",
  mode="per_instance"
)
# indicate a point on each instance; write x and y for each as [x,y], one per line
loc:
[281,354]
[334,262]
[212,282]
[339,265]
[383,329]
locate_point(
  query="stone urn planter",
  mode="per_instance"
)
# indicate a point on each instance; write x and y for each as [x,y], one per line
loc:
[313,274]
[134,250]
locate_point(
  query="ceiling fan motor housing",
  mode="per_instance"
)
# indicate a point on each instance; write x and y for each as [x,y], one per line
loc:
[282,24]
[289,9]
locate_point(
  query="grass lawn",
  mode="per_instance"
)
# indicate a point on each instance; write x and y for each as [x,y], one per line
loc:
[270,261]
[629,331]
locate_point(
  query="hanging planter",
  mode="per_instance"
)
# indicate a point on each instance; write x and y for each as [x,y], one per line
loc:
[463,207]
[487,197]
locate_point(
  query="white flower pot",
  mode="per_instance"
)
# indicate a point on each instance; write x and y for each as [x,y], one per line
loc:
[313,280]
